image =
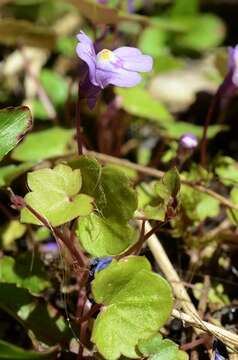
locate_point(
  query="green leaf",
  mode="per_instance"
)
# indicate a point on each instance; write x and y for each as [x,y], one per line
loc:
[55,195]
[66,45]
[120,199]
[14,124]
[156,200]
[157,111]
[198,206]
[44,144]
[55,85]
[15,32]
[227,170]
[91,172]
[204,32]
[104,237]
[25,272]
[12,352]
[34,314]
[155,348]
[176,129]
[171,181]
[11,172]
[233,214]
[185,7]
[12,231]
[110,187]
[153,41]
[131,311]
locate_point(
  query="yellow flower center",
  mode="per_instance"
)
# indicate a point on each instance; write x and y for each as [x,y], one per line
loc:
[106,55]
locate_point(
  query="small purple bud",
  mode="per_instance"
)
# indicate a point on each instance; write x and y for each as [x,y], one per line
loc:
[102,2]
[188,141]
[50,247]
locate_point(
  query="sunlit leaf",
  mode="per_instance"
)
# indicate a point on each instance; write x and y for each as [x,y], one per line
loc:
[227,170]
[198,206]
[55,85]
[130,312]
[14,124]
[155,348]
[11,232]
[147,108]
[204,32]
[55,195]
[114,196]
[102,237]
[44,144]
[176,129]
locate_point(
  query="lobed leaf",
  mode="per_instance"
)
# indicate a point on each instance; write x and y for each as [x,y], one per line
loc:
[131,311]
[103,237]
[110,187]
[155,348]
[55,195]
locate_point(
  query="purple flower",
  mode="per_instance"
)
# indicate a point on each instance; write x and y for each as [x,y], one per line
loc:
[103,2]
[120,67]
[233,64]
[189,141]
[130,6]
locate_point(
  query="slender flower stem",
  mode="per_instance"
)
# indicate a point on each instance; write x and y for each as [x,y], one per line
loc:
[78,125]
[75,254]
[212,114]
[203,149]
[19,203]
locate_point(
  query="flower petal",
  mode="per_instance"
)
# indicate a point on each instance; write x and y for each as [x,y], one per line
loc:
[127,51]
[85,51]
[83,38]
[121,78]
[134,60]
[142,63]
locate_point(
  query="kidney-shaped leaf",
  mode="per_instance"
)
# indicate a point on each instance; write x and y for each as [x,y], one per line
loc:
[155,348]
[137,302]
[14,123]
[104,237]
[55,195]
